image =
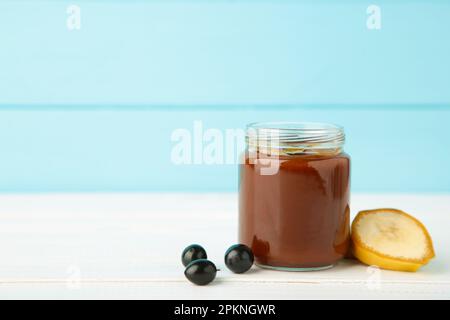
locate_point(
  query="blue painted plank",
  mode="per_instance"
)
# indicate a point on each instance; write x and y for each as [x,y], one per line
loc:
[224,52]
[392,150]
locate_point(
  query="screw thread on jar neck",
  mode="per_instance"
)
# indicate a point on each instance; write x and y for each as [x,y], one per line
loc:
[292,138]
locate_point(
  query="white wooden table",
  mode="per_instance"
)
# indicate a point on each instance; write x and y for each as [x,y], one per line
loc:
[128,246]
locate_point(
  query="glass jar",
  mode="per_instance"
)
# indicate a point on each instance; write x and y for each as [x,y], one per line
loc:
[294,195]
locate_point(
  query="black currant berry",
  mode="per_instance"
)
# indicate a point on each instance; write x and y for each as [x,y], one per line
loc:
[192,253]
[239,258]
[201,272]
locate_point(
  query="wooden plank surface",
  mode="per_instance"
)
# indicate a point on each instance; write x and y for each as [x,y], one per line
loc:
[128,246]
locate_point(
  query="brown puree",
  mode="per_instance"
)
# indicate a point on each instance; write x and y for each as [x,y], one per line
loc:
[299,217]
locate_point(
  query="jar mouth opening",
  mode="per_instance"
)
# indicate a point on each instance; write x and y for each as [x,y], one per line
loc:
[295,125]
[295,137]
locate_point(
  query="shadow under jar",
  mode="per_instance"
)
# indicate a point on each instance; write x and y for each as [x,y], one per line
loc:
[294,195]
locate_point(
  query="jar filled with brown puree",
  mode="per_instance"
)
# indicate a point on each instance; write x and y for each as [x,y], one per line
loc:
[294,195]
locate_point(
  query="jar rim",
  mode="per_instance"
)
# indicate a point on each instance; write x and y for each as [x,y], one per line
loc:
[295,125]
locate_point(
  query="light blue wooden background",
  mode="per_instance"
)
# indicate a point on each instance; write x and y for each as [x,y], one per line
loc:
[93,110]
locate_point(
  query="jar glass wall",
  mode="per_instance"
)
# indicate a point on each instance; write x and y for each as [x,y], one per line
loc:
[294,195]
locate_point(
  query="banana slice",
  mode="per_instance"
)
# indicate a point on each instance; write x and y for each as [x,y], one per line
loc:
[391,239]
